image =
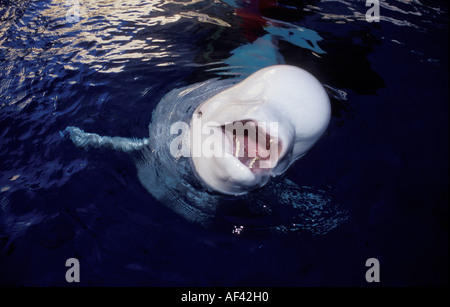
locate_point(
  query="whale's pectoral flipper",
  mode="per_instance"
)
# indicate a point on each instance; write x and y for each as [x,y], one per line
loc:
[84,139]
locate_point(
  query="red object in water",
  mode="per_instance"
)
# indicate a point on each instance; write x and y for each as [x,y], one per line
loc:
[252,19]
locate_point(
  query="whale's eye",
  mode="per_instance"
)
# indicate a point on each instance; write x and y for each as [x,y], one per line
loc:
[200,113]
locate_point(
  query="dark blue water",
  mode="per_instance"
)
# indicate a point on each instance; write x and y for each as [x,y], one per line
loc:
[383,161]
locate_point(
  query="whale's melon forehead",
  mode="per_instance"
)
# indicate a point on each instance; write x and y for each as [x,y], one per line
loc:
[283,87]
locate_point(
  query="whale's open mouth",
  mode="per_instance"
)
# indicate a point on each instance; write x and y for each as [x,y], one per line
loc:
[253,144]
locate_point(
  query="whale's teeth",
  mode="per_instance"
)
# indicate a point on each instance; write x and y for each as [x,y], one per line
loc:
[253,162]
[238,144]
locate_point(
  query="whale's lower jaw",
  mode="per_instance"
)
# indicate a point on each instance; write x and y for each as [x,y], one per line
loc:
[228,175]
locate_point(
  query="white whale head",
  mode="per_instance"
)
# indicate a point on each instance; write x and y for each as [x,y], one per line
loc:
[257,128]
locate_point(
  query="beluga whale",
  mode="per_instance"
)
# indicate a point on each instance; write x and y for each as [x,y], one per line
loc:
[217,145]
[285,98]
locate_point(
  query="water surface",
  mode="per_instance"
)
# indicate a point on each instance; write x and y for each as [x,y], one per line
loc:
[383,161]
